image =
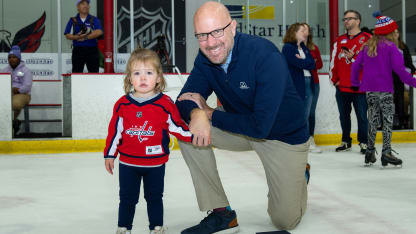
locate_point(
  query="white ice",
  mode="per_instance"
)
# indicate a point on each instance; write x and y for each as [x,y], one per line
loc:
[72,193]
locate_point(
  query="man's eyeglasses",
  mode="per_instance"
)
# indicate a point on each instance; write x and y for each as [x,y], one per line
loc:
[349,18]
[216,33]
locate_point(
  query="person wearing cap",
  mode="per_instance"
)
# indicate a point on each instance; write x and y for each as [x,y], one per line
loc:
[83,30]
[21,83]
[378,59]
[345,51]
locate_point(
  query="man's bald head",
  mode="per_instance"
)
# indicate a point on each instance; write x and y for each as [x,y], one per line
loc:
[213,19]
[212,10]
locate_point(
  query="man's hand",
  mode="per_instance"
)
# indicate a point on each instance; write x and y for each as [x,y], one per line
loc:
[349,54]
[200,127]
[82,37]
[200,101]
[109,165]
[15,91]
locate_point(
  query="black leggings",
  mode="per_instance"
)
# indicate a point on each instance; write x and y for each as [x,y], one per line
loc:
[380,101]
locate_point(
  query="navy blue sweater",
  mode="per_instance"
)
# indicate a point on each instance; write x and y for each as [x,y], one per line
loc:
[257,92]
[296,65]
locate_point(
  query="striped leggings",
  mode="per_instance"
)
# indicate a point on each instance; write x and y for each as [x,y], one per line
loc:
[380,108]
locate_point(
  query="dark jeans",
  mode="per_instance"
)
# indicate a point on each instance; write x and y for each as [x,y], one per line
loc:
[358,100]
[315,96]
[82,55]
[153,185]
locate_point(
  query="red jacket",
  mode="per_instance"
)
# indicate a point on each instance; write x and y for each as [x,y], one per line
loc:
[139,132]
[316,55]
[340,67]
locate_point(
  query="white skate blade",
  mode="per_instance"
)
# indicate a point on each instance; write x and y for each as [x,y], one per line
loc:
[390,166]
[368,164]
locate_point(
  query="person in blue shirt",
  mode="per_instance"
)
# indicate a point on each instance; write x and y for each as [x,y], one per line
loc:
[83,30]
[260,111]
[300,63]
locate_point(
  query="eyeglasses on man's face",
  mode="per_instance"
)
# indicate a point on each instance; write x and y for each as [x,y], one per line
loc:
[349,18]
[215,33]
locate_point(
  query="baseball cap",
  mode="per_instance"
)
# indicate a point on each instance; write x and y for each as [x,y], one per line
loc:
[79,1]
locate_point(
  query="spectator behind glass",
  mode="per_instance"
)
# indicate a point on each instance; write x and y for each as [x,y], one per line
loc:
[345,50]
[378,59]
[83,30]
[21,84]
[300,63]
[316,55]
[401,116]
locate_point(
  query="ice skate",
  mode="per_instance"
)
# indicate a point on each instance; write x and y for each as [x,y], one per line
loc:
[363,148]
[343,147]
[370,157]
[389,158]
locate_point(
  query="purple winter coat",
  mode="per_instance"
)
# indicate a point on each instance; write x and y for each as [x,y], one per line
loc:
[377,71]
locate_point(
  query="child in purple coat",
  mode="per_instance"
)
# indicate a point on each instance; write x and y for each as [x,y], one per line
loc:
[379,57]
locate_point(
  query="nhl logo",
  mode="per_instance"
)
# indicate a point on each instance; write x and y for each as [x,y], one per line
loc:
[139,114]
[154,24]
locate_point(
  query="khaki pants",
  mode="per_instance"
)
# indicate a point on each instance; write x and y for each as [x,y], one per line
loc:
[18,102]
[284,167]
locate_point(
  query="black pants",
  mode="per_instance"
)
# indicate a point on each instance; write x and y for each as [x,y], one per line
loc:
[82,55]
[398,103]
[153,185]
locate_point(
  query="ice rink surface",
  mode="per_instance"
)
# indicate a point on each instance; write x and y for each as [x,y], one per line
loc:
[73,194]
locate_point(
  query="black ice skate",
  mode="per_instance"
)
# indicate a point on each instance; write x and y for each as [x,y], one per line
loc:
[389,158]
[370,157]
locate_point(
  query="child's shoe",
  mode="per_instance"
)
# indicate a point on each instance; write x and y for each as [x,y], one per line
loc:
[123,230]
[159,230]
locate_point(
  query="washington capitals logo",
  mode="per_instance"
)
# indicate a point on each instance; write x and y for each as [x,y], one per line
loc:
[27,38]
[139,132]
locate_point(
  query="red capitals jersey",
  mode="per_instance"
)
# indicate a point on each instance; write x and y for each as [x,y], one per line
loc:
[139,132]
[340,67]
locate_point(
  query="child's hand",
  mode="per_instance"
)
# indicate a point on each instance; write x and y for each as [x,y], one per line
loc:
[109,165]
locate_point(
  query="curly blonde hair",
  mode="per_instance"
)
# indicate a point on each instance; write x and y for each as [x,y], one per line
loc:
[373,42]
[145,56]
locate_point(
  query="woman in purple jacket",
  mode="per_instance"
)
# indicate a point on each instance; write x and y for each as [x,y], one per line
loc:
[377,60]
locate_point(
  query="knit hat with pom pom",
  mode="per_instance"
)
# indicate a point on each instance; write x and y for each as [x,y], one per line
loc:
[384,25]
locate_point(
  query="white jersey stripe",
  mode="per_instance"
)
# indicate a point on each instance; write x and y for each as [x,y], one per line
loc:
[331,65]
[116,140]
[177,129]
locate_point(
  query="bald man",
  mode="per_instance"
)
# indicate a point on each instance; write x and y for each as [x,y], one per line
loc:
[260,111]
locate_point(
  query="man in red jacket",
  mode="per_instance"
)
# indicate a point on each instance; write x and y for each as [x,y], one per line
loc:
[346,48]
